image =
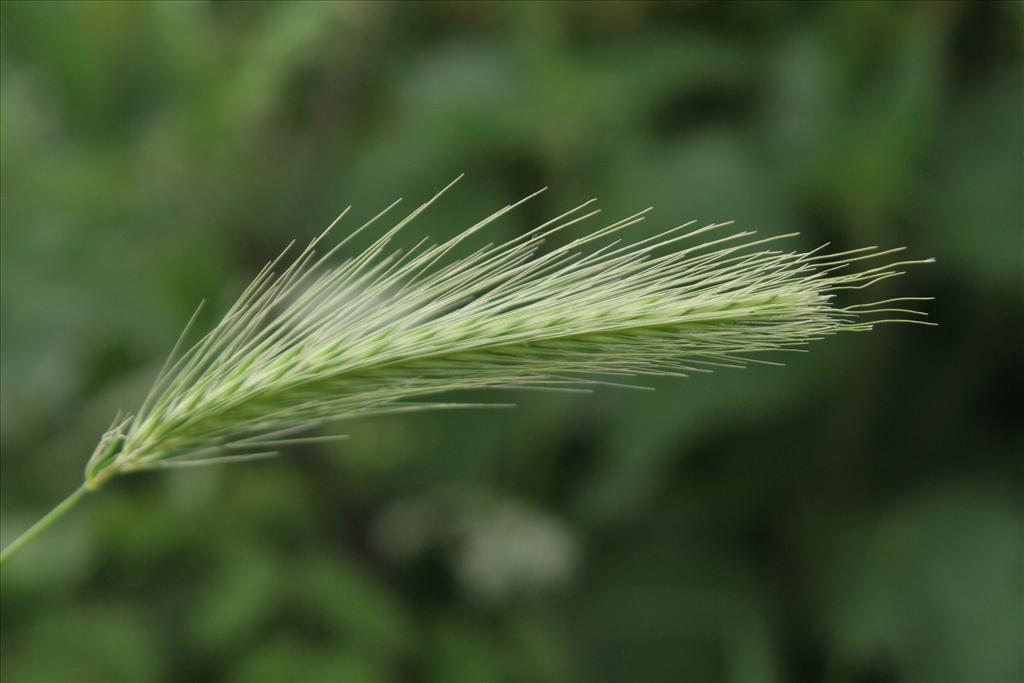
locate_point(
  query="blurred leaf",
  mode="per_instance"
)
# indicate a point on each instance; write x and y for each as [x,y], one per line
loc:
[288,660]
[973,199]
[85,643]
[237,602]
[462,652]
[354,605]
[935,590]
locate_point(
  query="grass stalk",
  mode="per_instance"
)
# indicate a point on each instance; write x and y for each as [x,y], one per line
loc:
[43,524]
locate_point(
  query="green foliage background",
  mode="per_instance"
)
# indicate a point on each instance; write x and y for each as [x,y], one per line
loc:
[856,516]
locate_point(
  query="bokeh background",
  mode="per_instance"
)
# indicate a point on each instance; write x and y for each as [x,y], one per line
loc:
[855,516]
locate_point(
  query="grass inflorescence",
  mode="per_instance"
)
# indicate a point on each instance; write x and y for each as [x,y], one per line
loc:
[386,330]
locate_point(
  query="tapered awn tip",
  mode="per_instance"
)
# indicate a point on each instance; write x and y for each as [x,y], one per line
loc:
[337,220]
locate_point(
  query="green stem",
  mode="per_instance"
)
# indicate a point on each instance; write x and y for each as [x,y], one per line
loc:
[44,523]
